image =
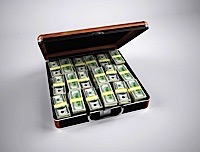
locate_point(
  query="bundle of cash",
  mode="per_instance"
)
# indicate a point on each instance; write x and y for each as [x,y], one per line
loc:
[76,101]
[67,69]
[89,59]
[73,85]
[102,64]
[90,94]
[81,68]
[98,72]
[59,90]
[65,62]
[53,65]
[71,77]
[83,76]
[92,65]
[55,73]
[107,95]
[58,81]
[78,61]
[116,56]
[86,84]
[103,58]
[59,101]
[110,69]
[124,72]
[121,92]
[62,112]
[135,90]
[99,76]
[101,79]
[113,77]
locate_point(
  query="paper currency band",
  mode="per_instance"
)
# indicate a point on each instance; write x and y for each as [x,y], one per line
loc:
[104,60]
[59,105]
[98,75]
[134,88]
[124,72]
[58,84]
[122,90]
[76,99]
[111,72]
[55,68]
[72,80]
[116,56]
[83,79]
[107,93]
[88,62]
[95,97]
[65,65]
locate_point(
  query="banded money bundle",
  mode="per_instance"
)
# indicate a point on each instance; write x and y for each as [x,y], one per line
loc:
[107,95]
[121,92]
[60,106]
[76,101]
[111,73]
[124,72]
[116,56]
[92,99]
[78,61]
[58,81]
[135,90]
[84,79]
[103,59]
[90,61]
[99,76]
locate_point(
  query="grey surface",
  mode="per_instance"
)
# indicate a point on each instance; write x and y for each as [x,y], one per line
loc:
[165,58]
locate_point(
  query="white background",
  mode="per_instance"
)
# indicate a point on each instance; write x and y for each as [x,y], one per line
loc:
[165,58]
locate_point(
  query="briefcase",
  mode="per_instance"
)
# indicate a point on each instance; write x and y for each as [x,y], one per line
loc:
[88,77]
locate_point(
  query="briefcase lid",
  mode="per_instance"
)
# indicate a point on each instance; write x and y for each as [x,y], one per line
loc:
[69,43]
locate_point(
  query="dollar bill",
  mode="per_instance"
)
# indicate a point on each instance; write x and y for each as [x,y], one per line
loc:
[62,112]
[92,65]
[118,60]
[123,98]
[67,69]
[116,56]
[58,81]
[101,79]
[122,69]
[95,105]
[102,64]
[89,58]
[120,87]
[135,90]
[81,68]
[71,77]
[76,101]
[107,95]
[90,94]
[127,76]
[83,76]
[110,69]
[78,61]
[73,85]
[103,58]
[59,101]
[98,71]
[65,62]
[138,94]
[59,90]
[113,77]
[54,65]
[55,73]
[114,53]
[86,84]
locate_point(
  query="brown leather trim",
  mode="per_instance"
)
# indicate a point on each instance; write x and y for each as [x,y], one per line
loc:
[111,27]
[57,124]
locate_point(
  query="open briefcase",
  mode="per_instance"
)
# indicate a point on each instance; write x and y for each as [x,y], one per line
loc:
[88,77]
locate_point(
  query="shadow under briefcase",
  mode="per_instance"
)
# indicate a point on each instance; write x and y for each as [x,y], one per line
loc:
[88,77]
